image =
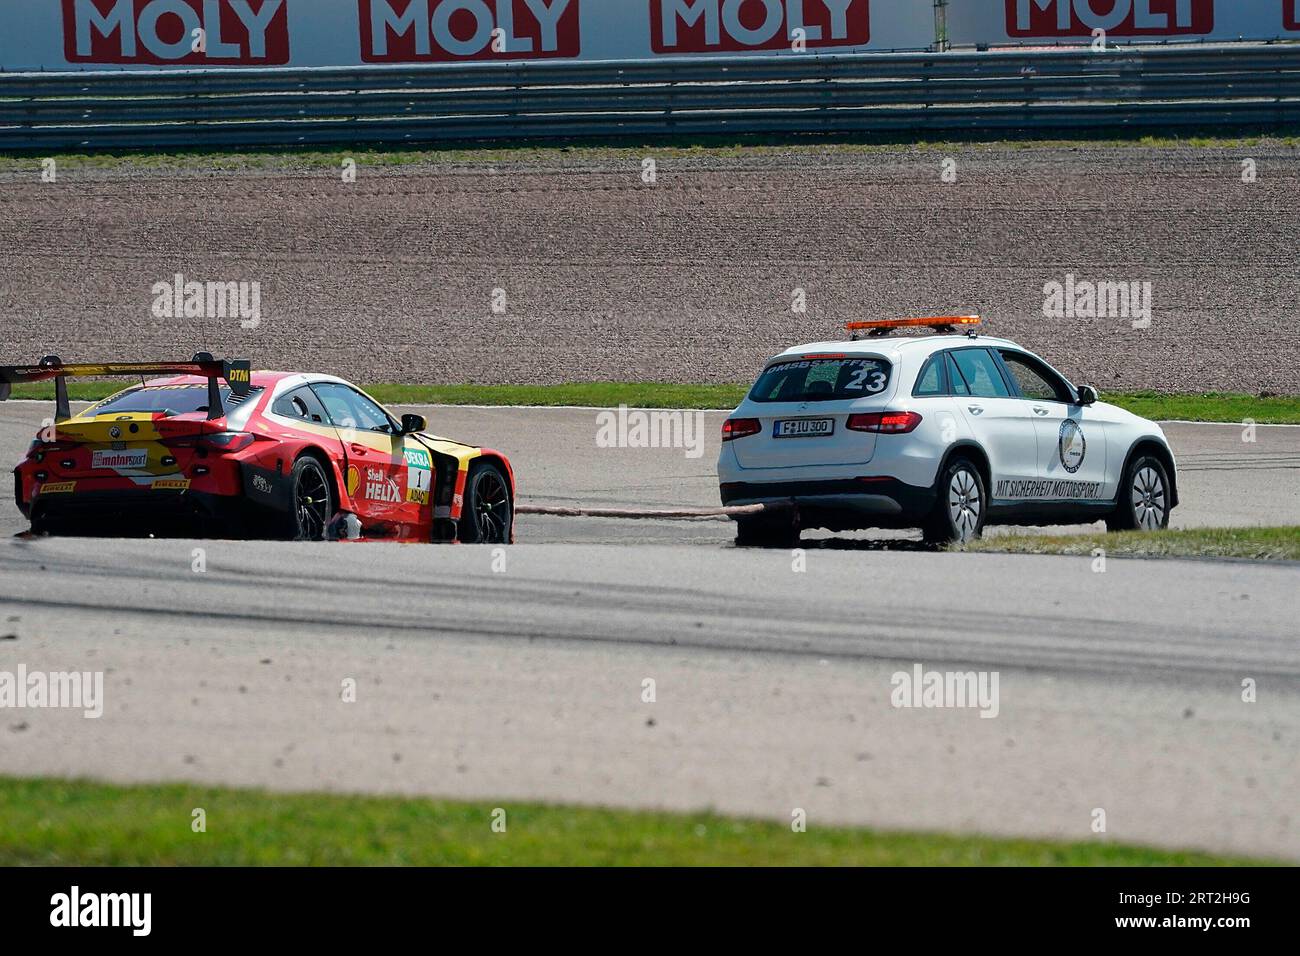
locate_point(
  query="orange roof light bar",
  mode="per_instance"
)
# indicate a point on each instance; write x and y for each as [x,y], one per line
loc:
[948,321]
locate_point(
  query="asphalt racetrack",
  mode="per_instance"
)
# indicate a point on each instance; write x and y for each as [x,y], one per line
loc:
[521,674]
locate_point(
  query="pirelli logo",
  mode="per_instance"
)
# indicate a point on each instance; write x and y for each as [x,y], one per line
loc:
[58,488]
[171,484]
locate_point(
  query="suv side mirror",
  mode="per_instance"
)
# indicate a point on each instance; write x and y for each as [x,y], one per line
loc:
[1087,395]
[414,423]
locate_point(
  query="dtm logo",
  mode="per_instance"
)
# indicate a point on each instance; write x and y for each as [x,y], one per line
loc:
[1071,445]
[1126,18]
[166,32]
[405,31]
[707,26]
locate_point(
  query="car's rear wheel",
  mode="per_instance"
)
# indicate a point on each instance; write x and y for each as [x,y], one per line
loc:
[960,507]
[312,502]
[1143,497]
[488,514]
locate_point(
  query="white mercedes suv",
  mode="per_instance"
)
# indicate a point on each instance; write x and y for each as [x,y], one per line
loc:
[945,432]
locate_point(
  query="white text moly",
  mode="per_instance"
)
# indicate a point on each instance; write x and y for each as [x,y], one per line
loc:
[132,910]
[640,429]
[940,689]
[57,689]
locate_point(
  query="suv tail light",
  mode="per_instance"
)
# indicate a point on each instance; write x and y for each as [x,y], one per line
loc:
[218,441]
[885,423]
[734,428]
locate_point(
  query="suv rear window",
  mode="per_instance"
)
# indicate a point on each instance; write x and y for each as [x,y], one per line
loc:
[822,380]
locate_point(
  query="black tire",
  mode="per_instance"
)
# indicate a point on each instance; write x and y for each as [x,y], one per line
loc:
[311,502]
[960,505]
[760,533]
[1144,497]
[488,514]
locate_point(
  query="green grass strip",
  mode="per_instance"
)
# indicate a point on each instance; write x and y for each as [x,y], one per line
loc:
[1270,544]
[77,823]
[1207,407]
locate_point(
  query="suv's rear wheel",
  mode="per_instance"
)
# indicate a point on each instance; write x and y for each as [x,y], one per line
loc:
[1143,497]
[960,506]
[766,533]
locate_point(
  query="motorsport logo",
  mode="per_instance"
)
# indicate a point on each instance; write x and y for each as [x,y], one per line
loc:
[1071,445]
[1046,489]
[131,458]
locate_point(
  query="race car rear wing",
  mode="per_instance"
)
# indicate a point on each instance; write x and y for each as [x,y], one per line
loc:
[237,373]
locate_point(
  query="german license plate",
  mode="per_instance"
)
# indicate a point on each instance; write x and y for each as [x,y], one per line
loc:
[804,428]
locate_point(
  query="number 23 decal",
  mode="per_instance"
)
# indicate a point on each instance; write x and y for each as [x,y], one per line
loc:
[867,379]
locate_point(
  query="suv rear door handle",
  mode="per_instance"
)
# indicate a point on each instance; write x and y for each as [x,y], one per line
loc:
[976,409]
[1040,411]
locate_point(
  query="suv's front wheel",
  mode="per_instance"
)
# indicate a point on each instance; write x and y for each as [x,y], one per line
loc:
[1143,497]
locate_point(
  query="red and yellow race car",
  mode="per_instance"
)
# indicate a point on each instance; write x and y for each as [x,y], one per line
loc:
[221,450]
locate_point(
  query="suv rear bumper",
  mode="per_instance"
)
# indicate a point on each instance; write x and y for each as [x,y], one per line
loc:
[840,505]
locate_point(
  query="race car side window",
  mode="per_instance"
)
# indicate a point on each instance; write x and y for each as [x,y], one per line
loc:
[981,373]
[300,404]
[348,408]
[1035,379]
[932,380]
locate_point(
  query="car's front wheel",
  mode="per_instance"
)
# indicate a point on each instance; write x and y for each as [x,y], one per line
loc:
[960,506]
[1143,497]
[488,515]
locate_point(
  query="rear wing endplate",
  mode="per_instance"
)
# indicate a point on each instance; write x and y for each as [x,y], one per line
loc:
[237,373]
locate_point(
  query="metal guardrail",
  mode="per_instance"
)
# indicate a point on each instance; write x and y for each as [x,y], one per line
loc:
[1068,89]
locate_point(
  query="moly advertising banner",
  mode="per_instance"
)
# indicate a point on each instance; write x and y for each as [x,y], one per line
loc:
[153,34]
[1038,22]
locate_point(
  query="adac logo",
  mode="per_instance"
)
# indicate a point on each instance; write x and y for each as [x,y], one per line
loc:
[1072,445]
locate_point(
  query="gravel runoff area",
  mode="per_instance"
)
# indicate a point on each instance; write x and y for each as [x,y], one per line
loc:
[689,278]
